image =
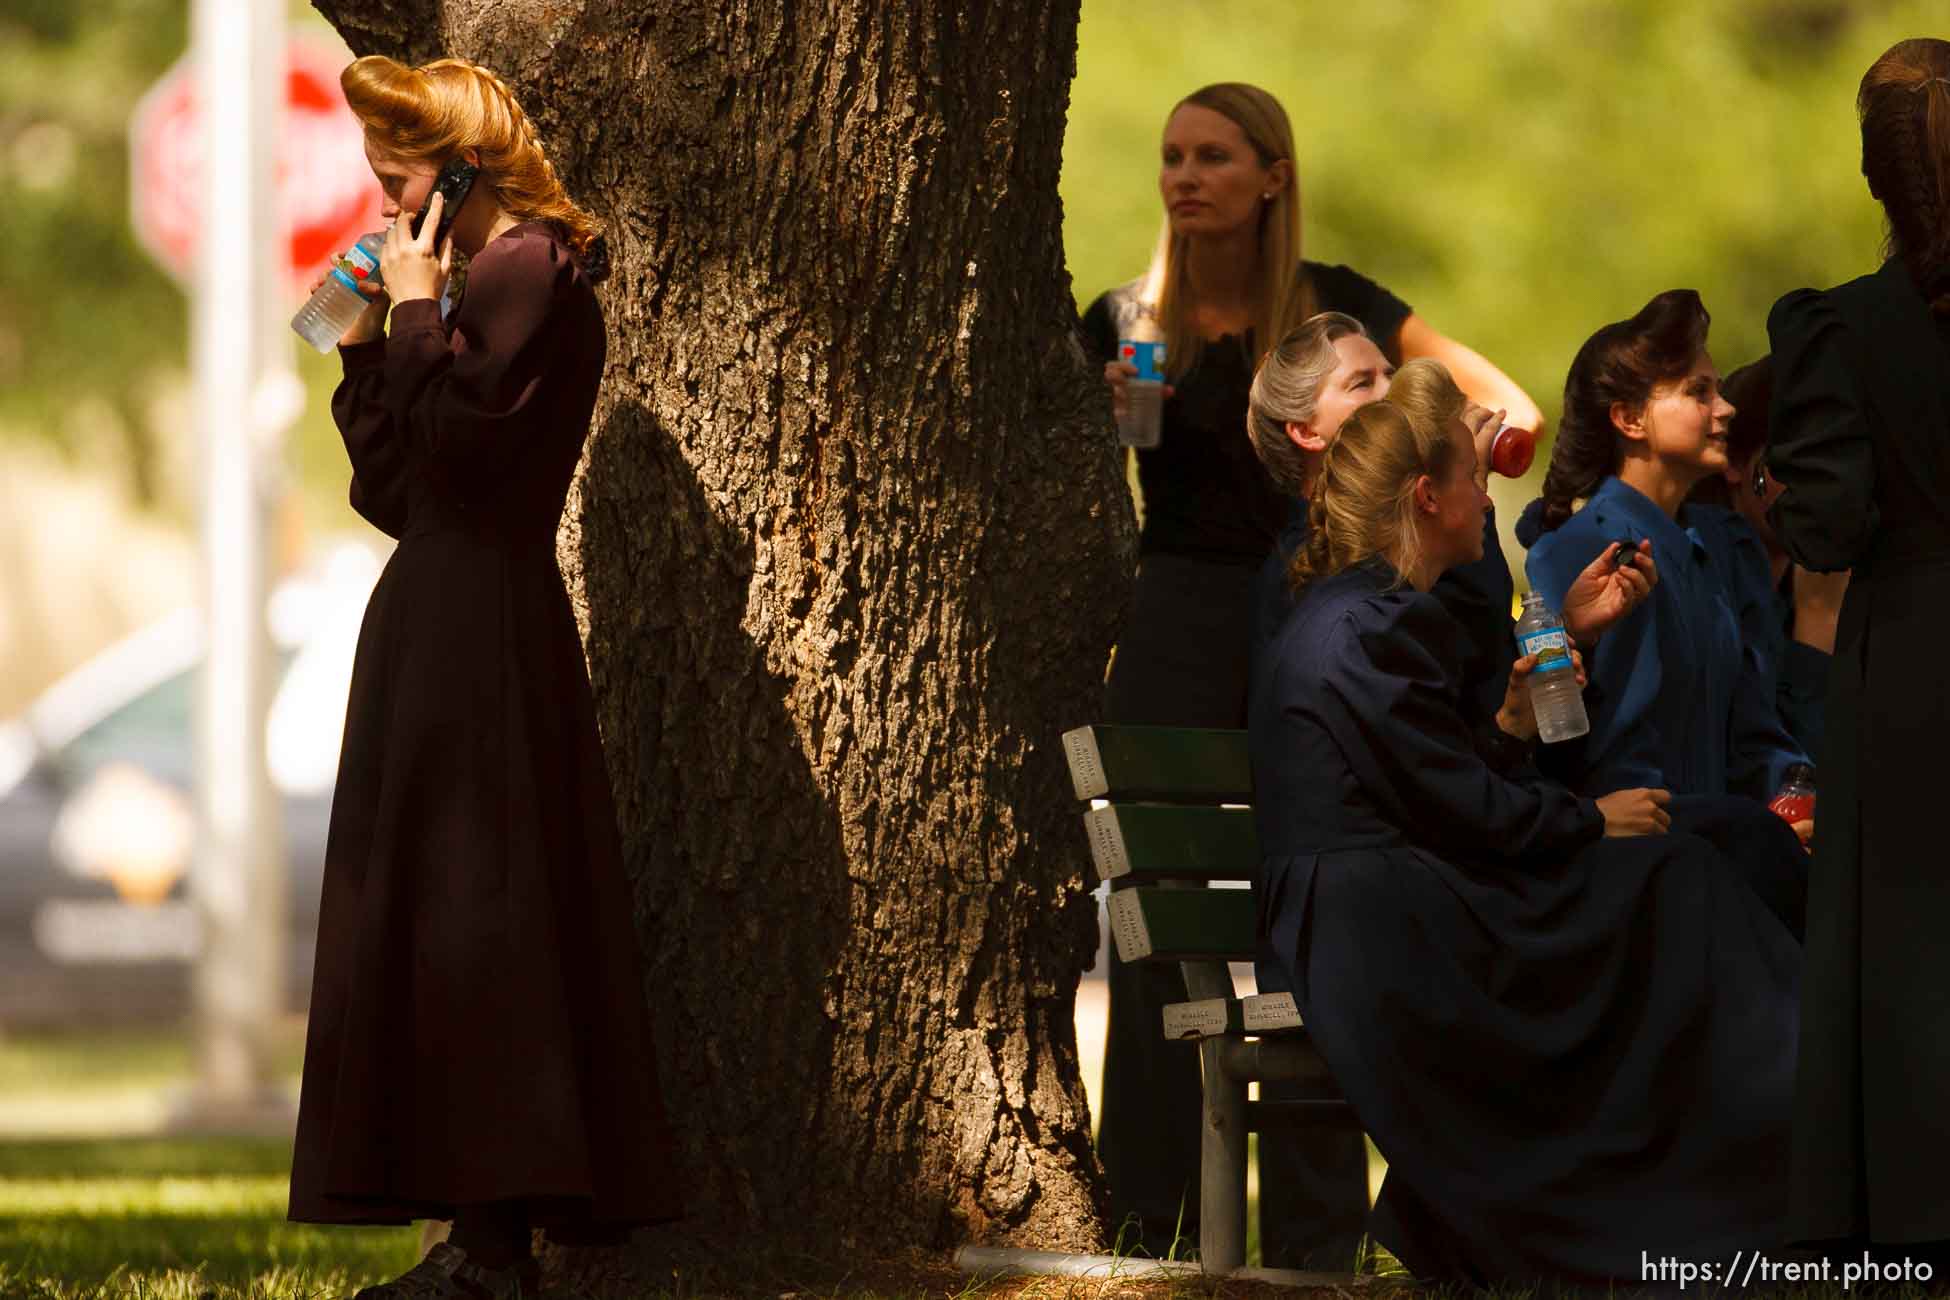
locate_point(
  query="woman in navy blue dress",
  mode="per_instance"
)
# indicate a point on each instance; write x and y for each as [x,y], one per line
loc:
[1644,423]
[1571,1034]
[1681,700]
[1319,375]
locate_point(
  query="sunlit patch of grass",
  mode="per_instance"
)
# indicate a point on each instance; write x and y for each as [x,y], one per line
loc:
[168,1218]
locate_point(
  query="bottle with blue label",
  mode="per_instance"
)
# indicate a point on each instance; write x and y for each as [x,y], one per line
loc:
[1140,343]
[335,304]
[1554,694]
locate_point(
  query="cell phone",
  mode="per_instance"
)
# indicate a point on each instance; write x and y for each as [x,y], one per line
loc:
[452,184]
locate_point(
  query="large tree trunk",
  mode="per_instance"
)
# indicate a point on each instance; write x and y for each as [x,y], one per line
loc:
[851,545]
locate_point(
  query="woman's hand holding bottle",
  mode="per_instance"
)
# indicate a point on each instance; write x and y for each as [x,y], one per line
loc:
[370,324]
[1115,375]
[1518,716]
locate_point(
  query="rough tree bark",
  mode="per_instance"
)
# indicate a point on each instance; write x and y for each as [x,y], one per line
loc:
[851,544]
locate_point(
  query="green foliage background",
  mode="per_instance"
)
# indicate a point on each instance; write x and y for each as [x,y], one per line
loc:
[1519,170]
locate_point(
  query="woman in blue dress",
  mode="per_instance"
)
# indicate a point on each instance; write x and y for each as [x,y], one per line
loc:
[1571,1034]
[1644,423]
[1681,701]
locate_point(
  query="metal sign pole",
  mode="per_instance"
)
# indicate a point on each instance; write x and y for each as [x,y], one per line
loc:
[238,877]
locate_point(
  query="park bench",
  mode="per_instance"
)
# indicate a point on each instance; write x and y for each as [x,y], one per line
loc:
[1169,814]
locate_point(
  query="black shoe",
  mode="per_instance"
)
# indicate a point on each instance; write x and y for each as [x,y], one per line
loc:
[447,1274]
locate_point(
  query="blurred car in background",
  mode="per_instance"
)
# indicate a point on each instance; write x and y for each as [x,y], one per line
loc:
[97,821]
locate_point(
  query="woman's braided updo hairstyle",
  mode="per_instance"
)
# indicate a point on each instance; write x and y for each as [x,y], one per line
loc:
[433,112]
[1904,104]
[1364,495]
[1620,364]
[1286,389]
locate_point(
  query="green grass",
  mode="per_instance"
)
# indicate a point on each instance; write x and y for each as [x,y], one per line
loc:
[174,1218]
[156,1217]
[90,1083]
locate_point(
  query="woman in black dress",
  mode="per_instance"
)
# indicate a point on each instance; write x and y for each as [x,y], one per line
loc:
[1570,1033]
[1228,281]
[1861,425]
[479,1046]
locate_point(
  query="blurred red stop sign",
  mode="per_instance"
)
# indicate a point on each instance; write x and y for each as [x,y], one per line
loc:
[327,196]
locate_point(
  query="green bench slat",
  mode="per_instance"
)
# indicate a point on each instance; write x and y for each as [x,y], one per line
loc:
[1156,924]
[1153,841]
[1175,764]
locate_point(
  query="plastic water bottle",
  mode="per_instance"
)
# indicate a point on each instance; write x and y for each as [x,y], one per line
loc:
[324,319]
[1141,344]
[1554,694]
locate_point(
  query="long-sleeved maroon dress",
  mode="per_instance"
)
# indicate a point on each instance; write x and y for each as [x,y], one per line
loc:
[478,1026]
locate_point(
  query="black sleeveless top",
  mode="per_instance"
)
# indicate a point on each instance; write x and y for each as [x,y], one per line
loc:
[1205,493]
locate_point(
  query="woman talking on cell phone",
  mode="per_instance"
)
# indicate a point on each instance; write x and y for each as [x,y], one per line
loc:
[479,1047]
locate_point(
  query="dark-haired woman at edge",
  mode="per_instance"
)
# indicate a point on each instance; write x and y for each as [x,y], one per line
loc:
[1861,446]
[1228,282]
[479,1046]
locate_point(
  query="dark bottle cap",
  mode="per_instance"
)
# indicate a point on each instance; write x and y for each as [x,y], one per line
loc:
[1800,773]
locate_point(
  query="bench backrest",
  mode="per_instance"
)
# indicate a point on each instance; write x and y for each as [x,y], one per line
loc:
[1170,807]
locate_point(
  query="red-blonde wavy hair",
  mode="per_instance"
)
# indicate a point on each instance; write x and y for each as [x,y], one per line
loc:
[432,112]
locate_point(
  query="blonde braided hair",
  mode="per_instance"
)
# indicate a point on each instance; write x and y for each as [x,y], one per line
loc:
[1364,495]
[433,112]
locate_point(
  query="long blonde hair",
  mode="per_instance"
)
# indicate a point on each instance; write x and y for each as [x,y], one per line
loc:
[1286,389]
[1363,503]
[433,112]
[1284,297]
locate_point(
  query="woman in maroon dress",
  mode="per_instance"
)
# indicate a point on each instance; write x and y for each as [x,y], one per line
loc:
[479,1046]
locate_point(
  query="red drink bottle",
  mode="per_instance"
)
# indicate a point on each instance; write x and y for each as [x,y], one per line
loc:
[1512,450]
[1796,800]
